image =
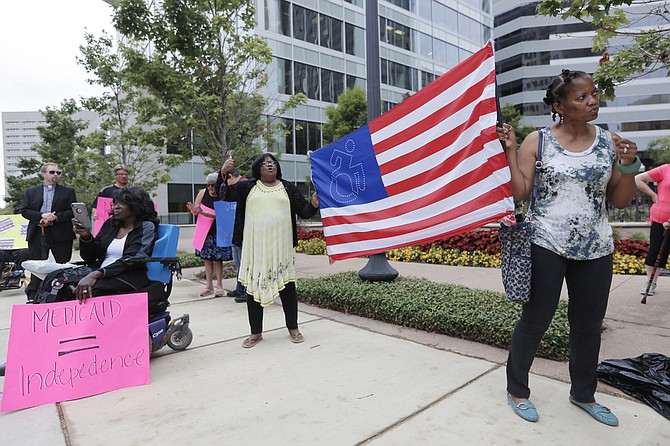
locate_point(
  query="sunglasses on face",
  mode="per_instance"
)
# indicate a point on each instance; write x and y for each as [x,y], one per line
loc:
[211,184]
[55,172]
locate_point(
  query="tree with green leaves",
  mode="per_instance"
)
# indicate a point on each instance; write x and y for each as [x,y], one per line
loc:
[511,116]
[203,62]
[647,34]
[350,113]
[134,136]
[659,151]
[65,143]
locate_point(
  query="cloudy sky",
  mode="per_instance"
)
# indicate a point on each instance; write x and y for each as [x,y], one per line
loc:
[39,44]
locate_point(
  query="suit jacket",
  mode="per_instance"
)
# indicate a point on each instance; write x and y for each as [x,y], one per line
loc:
[64,196]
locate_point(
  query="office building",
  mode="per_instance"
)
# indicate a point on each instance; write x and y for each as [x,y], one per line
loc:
[318,48]
[532,49]
[19,134]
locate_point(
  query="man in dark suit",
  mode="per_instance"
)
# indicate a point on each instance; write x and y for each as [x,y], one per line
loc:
[48,205]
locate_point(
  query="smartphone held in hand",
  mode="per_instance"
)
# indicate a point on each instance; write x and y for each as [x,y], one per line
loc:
[81,215]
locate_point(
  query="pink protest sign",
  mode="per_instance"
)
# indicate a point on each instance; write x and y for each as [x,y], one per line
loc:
[102,212]
[202,226]
[67,350]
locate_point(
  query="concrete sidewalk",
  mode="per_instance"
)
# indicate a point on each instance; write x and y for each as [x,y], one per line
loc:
[352,381]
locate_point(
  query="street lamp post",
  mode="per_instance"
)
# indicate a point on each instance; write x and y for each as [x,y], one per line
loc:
[377,268]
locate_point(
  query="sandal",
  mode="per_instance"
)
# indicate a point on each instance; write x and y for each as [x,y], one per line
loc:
[251,341]
[296,336]
[220,292]
[206,292]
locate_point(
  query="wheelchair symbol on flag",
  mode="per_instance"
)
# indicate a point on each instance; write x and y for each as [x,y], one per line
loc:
[347,179]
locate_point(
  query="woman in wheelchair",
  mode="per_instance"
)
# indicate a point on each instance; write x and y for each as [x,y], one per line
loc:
[129,235]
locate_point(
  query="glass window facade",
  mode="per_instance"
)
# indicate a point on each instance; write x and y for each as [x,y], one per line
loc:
[398,75]
[395,34]
[307,136]
[280,78]
[332,85]
[278,16]
[331,32]
[354,37]
[306,80]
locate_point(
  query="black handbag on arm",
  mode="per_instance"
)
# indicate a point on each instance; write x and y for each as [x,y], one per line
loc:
[515,259]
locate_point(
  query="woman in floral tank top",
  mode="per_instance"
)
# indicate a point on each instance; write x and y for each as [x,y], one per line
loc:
[582,167]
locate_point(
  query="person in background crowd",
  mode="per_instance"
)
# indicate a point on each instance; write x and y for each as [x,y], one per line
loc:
[239,293]
[582,167]
[658,214]
[212,255]
[49,213]
[120,173]
[265,228]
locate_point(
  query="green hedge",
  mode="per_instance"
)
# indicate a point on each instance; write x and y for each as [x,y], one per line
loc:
[189,259]
[454,310]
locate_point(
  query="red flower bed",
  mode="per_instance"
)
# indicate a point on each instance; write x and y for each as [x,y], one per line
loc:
[638,248]
[484,241]
[308,234]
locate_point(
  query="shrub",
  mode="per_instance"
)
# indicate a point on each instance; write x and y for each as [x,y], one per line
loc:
[476,315]
[189,259]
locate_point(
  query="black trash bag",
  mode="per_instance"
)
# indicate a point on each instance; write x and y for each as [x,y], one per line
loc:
[646,378]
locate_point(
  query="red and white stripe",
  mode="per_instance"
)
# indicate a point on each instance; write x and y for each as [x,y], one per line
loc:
[441,163]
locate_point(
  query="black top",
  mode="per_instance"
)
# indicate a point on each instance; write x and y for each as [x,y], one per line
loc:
[106,192]
[208,201]
[240,191]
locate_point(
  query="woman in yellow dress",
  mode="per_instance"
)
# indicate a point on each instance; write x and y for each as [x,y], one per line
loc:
[268,236]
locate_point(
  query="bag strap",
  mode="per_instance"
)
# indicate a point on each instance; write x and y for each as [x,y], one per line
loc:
[538,167]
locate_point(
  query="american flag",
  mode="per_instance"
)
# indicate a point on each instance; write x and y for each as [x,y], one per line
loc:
[429,168]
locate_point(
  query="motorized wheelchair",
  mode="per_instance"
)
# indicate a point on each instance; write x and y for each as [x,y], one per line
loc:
[162,267]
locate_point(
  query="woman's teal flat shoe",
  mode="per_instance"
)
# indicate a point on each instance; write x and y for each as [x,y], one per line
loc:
[600,413]
[525,409]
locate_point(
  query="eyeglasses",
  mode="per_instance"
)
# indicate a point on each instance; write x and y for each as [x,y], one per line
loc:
[268,163]
[121,174]
[211,184]
[55,172]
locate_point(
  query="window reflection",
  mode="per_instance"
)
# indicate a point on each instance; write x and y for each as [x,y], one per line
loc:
[332,85]
[355,40]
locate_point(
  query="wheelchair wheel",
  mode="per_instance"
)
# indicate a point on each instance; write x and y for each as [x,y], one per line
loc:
[180,339]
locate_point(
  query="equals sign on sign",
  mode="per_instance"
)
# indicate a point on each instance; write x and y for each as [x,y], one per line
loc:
[74,349]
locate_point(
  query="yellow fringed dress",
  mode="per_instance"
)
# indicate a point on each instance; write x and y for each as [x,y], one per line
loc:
[268,255]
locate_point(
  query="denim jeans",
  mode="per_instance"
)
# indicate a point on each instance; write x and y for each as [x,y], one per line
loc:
[237,256]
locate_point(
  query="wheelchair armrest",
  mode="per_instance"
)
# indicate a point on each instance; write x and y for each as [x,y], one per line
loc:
[171,263]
